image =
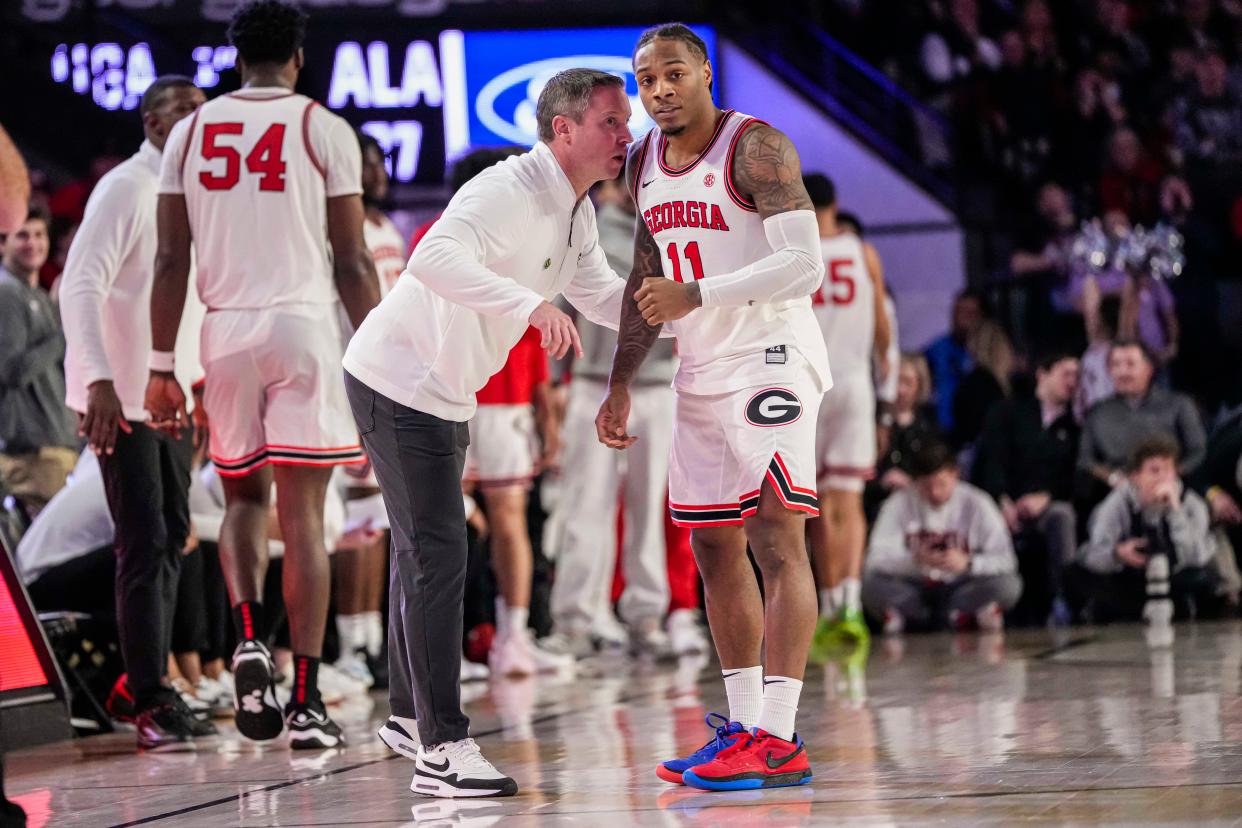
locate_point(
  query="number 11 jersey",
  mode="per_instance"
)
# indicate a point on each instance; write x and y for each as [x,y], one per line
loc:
[256,168]
[704,227]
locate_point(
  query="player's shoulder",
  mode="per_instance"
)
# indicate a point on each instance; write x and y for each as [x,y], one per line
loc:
[634,161]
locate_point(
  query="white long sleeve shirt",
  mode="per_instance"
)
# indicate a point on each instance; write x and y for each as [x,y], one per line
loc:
[969,520]
[511,238]
[105,293]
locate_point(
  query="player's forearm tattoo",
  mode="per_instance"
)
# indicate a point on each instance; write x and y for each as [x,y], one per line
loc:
[635,336]
[766,167]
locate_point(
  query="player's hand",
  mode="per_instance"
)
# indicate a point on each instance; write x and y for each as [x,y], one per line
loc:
[613,415]
[202,425]
[104,415]
[557,329]
[1131,554]
[662,300]
[165,403]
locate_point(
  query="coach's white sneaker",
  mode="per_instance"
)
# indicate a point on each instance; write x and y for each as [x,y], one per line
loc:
[452,769]
[401,736]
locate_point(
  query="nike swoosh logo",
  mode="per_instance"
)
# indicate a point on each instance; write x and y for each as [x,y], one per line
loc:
[773,765]
[731,675]
[645,183]
[766,682]
[437,768]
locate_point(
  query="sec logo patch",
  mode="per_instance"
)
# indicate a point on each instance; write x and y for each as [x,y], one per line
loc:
[709,179]
[773,407]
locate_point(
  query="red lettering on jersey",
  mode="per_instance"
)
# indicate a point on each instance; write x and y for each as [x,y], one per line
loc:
[673,214]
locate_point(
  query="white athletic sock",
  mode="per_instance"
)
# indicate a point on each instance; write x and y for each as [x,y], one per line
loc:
[517,618]
[375,632]
[502,616]
[744,687]
[827,603]
[780,706]
[851,594]
[352,630]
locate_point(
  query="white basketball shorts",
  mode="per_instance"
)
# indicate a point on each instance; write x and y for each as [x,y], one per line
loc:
[846,439]
[503,447]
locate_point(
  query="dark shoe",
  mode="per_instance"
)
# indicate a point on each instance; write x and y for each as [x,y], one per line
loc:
[165,727]
[120,704]
[198,726]
[310,728]
[256,713]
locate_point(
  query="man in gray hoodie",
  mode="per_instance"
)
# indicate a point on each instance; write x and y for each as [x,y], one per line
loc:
[1150,514]
[940,550]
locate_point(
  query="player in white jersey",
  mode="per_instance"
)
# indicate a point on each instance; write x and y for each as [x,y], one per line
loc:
[727,250]
[384,240]
[253,179]
[850,308]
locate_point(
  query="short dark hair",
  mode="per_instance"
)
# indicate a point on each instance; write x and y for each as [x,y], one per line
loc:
[851,220]
[37,212]
[931,458]
[154,96]
[569,93]
[1049,360]
[478,160]
[367,141]
[672,31]
[1150,448]
[820,188]
[1118,344]
[267,31]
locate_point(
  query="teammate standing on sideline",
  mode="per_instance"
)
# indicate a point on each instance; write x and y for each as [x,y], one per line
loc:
[850,309]
[104,299]
[253,180]
[727,250]
[510,240]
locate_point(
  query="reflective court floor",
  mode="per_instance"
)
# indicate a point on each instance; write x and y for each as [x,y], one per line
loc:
[1090,727]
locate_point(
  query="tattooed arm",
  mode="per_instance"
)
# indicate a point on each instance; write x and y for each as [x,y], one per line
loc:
[766,168]
[636,335]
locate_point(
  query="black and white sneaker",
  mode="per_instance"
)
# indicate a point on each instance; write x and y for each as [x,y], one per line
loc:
[310,728]
[399,738]
[256,712]
[165,727]
[453,769]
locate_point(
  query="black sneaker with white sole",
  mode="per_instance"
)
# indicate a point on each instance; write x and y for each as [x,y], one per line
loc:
[199,726]
[399,739]
[165,727]
[456,769]
[310,728]
[256,712]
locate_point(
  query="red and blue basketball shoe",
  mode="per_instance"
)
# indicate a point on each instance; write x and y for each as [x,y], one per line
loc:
[762,762]
[728,736]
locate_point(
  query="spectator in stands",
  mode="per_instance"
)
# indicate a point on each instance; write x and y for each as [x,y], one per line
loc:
[1139,409]
[903,431]
[940,548]
[1085,127]
[1149,314]
[1130,181]
[957,47]
[985,385]
[1101,317]
[949,357]
[1026,458]
[1219,479]
[1044,249]
[1150,513]
[593,476]
[37,439]
[1208,118]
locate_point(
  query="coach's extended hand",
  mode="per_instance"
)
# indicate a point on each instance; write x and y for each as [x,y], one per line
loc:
[165,403]
[662,300]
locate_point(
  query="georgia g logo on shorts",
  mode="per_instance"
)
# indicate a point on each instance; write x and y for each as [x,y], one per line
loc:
[773,407]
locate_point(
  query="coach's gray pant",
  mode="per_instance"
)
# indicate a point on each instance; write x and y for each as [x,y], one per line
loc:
[418,461]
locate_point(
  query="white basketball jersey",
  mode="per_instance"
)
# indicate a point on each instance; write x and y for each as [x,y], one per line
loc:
[387,249]
[257,167]
[705,228]
[845,306]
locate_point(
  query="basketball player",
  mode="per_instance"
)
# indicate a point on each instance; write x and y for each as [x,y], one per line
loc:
[850,309]
[253,179]
[727,250]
